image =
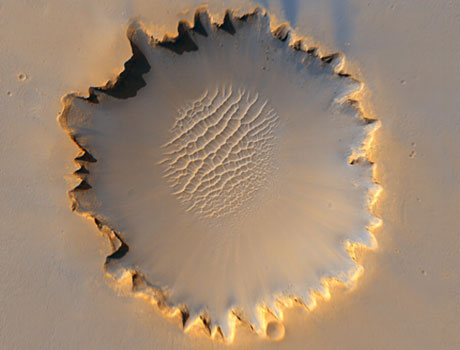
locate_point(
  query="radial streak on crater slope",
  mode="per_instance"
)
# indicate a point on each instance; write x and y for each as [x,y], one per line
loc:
[234,179]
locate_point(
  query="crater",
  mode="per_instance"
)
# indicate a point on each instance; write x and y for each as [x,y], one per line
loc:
[229,169]
[275,330]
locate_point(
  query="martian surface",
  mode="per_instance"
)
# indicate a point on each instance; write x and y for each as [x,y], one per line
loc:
[230,174]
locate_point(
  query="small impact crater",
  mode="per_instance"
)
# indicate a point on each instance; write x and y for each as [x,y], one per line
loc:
[22,76]
[275,330]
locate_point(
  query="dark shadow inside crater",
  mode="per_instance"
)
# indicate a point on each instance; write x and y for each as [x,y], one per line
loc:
[183,42]
[130,81]
[227,24]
